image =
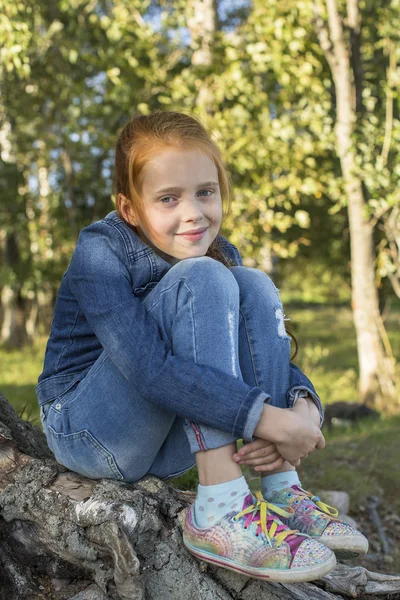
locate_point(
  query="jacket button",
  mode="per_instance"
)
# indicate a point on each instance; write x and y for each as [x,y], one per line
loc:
[58,406]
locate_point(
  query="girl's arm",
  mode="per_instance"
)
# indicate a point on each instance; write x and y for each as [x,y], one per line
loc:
[101,281]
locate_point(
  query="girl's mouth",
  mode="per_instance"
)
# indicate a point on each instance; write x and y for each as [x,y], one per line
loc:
[195,235]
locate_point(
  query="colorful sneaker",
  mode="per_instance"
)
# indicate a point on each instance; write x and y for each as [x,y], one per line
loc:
[256,543]
[315,518]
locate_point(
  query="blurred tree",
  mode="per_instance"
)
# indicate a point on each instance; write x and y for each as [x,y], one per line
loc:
[343,49]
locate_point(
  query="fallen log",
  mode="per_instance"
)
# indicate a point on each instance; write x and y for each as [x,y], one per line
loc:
[65,537]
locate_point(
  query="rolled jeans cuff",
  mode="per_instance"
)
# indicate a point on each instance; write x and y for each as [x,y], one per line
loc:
[297,391]
[253,417]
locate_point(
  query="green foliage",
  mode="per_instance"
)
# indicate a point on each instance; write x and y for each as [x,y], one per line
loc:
[73,72]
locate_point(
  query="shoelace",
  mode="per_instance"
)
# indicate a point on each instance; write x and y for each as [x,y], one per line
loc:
[329,510]
[276,529]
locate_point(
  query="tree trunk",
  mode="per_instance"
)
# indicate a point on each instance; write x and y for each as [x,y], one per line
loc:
[202,21]
[13,332]
[64,536]
[376,383]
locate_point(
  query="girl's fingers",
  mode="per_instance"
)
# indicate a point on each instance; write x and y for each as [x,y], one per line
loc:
[270,467]
[252,446]
[261,460]
[263,453]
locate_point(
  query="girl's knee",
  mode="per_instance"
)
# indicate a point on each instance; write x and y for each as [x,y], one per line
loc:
[254,283]
[207,272]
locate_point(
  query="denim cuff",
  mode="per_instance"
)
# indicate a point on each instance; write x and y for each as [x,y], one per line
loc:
[253,417]
[301,392]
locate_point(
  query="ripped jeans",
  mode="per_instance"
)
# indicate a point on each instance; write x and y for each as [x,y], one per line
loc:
[231,319]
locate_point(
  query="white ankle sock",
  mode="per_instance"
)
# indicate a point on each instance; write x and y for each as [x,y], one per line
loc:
[278,481]
[215,501]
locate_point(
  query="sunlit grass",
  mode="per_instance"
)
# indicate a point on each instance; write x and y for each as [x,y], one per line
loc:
[328,349]
[18,377]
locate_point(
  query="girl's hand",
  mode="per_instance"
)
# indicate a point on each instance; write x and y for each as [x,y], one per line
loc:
[292,431]
[302,436]
[261,454]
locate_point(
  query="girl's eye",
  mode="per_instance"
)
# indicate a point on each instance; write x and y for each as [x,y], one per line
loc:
[166,198]
[162,200]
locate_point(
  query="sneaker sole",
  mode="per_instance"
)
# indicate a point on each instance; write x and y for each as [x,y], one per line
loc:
[345,547]
[294,575]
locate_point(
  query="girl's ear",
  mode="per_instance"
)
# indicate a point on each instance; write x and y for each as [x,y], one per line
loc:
[125,208]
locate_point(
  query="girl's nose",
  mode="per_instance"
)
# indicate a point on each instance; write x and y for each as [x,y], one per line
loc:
[193,211]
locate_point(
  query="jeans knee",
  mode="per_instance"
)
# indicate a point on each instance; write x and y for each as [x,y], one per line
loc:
[256,284]
[209,273]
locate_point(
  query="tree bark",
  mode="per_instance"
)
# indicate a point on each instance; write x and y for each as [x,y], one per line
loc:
[13,332]
[64,536]
[202,21]
[376,382]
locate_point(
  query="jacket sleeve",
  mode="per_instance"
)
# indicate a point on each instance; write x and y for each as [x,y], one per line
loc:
[300,387]
[229,250]
[102,284]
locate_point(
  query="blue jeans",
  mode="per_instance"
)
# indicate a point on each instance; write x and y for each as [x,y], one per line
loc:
[231,319]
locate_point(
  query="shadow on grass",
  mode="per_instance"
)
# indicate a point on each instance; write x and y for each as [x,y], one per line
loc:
[23,399]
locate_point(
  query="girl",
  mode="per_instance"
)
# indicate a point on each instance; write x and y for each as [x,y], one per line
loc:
[164,351]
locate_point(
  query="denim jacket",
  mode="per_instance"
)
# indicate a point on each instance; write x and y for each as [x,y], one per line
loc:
[99,308]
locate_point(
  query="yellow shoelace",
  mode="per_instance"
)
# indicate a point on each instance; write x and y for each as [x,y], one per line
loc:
[263,506]
[329,510]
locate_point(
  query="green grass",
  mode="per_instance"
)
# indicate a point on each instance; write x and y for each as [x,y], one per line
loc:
[19,372]
[362,459]
[328,350]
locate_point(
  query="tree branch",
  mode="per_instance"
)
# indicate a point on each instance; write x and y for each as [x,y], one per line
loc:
[354,23]
[391,70]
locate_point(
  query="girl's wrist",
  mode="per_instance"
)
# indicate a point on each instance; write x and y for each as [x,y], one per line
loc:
[314,412]
[272,424]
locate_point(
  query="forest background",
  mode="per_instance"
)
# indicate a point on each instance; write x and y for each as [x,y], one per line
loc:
[302,98]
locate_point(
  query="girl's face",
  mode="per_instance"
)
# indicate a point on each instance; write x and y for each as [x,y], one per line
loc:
[182,202]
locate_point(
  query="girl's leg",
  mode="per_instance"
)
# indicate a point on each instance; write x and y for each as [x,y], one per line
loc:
[262,329]
[263,342]
[263,347]
[205,328]
[102,428]
[202,326]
